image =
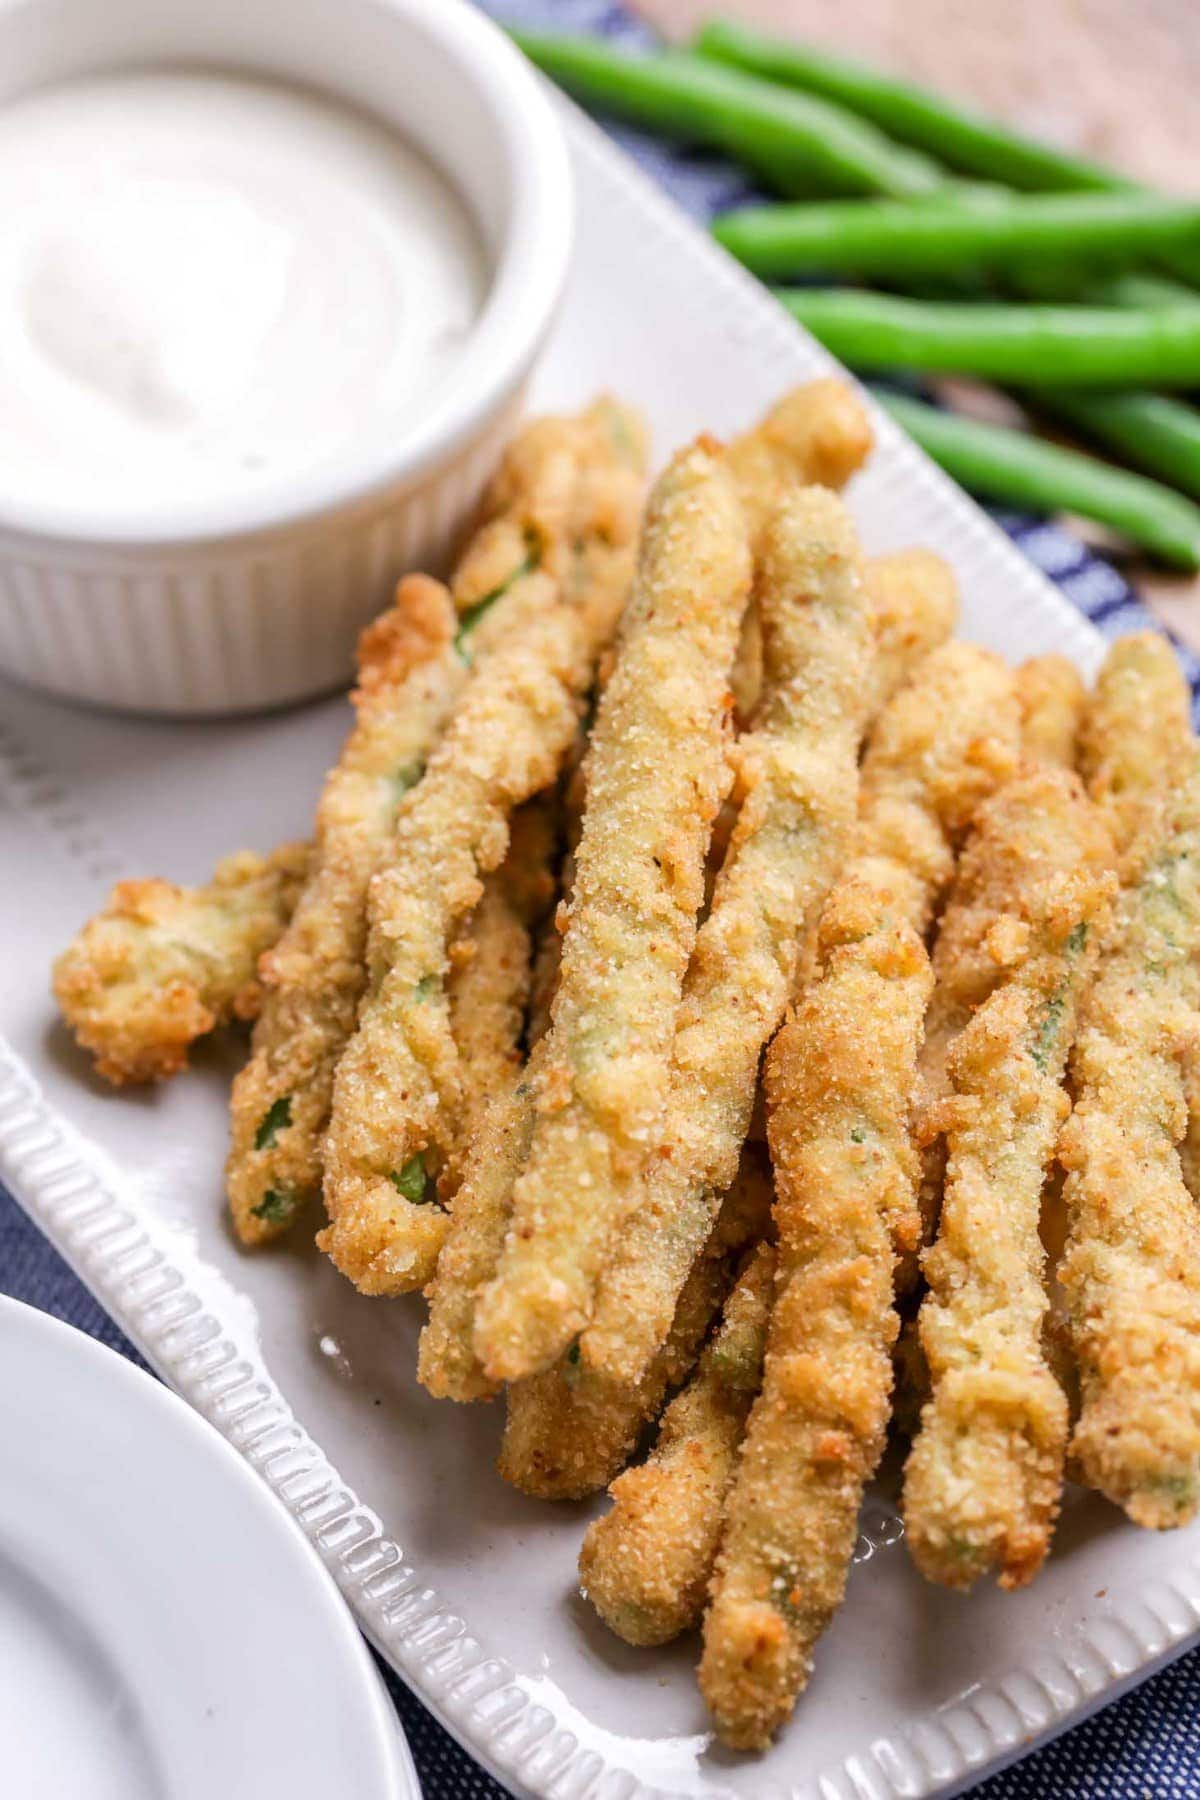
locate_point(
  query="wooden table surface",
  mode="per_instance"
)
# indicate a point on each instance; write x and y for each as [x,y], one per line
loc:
[1114,79]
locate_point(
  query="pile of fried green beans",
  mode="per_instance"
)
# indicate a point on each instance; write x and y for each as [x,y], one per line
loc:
[1003,260]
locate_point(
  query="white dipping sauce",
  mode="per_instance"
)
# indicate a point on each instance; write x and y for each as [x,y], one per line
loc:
[209,283]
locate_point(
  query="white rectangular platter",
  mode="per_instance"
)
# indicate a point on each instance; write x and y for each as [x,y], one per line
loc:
[467,1587]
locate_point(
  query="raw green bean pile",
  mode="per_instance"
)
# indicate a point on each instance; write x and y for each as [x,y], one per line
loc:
[1007,260]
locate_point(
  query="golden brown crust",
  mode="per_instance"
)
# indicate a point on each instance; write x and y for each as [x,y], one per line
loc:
[409,675]
[645,1565]
[162,965]
[656,774]
[799,779]
[845,1172]
[984,1479]
[396,1093]
[567,1431]
[1131,1270]
[914,596]
[1135,734]
[1052,696]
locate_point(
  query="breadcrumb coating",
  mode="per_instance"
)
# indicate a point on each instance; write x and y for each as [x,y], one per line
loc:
[838,1119]
[798,773]
[645,1565]
[1135,735]
[396,1094]
[984,1479]
[846,1182]
[491,972]
[162,965]
[656,774]
[409,674]
[942,746]
[1131,1270]
[1052,695]
[914,598]
[567,1431]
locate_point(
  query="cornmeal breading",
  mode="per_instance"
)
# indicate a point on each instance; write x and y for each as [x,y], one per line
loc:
[397,1092]
[162,965]
[984,1478]
[656,774]
[799,778]
[645,1565]
[1131,1269]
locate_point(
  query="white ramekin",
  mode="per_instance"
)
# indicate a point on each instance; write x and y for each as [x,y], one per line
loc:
[227,609]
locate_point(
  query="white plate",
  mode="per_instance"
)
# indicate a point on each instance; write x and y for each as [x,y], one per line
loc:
[466,1586]
[164,1628]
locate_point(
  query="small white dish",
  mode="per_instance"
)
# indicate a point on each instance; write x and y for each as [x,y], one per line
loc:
[164,1627]
[220,608]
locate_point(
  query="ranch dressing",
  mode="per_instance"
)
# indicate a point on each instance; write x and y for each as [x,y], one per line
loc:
[209,283]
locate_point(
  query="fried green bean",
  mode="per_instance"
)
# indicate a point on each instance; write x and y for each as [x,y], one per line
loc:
[568,1431]
[409,675]
[1052,698]
[1019,470]
[396,1092]
[656,774]
[1135,736]
[799,776]
[983,1483]
[914,603]
[845,1174]
[162,965]
[1131,1269]
[645,1565]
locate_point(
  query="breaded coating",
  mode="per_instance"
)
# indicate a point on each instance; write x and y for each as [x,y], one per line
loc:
[413,664]
[1053,696]
[162,965]
[656,774]
[1131,1271]
[914,598]
[491,972]
[818,434]
[409,674]
[838,1096]
[397,1094]
[798,774]
[998,862]
[846,1180]
[941,747]
[494,1156]
[645,1565]
[567,1431]
[1136,733]
[984,1479]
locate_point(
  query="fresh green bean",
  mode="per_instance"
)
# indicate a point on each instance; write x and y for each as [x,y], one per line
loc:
[798,144]
[1151,431]
[1067,346]
[1019,470]
[898,238]
[962,138]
